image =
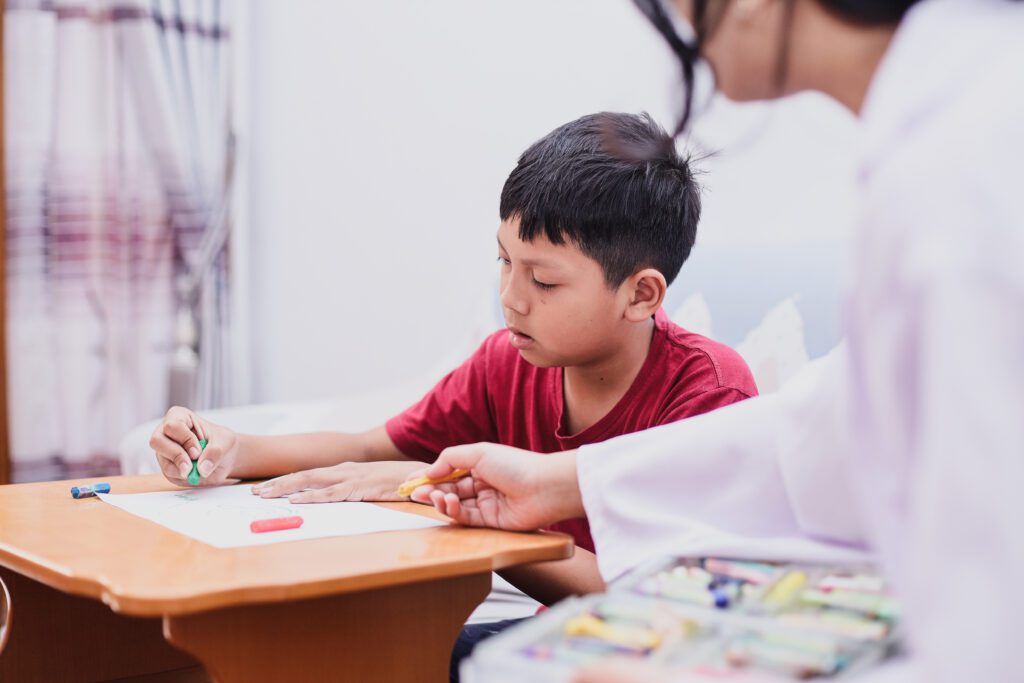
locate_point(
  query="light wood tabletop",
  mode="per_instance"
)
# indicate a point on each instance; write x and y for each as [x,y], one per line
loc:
[382,606]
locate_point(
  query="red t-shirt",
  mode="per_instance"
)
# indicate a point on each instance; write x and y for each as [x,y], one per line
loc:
[497,396]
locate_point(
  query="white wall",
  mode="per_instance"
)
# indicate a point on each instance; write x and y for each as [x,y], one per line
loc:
[378,138]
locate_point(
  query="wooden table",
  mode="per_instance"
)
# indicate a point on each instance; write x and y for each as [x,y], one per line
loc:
[97,594]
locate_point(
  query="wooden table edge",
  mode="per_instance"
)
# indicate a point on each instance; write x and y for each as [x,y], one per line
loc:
[91,587]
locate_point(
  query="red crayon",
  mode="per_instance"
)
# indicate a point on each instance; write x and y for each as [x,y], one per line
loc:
[277,524]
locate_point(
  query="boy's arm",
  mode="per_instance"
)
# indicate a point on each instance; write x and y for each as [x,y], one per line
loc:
[549,582]
[184,441]
[272,456]
[332,466]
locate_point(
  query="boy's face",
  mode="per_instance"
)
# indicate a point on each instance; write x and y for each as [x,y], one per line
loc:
[558,307]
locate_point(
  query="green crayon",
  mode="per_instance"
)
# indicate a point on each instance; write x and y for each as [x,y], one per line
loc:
[193,476]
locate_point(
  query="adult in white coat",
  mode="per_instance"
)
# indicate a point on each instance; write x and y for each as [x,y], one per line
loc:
[910,442]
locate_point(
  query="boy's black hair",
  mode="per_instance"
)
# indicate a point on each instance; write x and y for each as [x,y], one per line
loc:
[625,213]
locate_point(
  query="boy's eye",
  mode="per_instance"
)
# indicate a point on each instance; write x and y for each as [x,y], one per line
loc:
[543,285]
[504,261]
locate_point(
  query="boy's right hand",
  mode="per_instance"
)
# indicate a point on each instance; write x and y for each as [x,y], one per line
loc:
[176,443]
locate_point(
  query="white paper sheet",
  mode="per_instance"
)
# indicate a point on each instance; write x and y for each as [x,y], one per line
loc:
[220,516]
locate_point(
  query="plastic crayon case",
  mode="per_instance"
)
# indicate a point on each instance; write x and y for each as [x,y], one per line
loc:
[708,616]
[579,631]
[848,604]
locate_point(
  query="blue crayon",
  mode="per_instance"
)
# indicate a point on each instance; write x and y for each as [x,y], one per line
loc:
[86,491]
[722,598]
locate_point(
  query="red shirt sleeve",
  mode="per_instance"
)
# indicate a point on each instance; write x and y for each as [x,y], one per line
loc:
[456,411]
[721,378]
[704,402]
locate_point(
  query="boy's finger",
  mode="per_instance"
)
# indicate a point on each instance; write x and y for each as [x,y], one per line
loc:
[181,433]
[200,428]
[209,461]
[265,490]
[171,471]
[324,495]
[169,451]
[282,486]
[274,488]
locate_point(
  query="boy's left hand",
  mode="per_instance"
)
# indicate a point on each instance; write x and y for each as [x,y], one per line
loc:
[370,481]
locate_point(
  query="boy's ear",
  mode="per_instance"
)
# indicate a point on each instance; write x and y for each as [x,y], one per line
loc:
[646,290]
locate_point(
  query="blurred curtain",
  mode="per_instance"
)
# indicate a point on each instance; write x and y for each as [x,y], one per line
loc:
[118,159]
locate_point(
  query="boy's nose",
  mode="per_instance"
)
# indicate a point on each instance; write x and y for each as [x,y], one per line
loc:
[511,298]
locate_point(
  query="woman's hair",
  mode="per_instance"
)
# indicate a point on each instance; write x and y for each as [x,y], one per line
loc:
[707,13]
[870,11]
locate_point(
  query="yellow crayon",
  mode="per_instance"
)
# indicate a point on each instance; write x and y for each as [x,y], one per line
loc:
[784,590]
[632,637]
[408,487]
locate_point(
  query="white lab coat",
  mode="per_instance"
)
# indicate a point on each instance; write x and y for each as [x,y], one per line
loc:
[910,442]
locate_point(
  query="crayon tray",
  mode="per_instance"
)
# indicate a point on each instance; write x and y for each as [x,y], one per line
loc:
[799,621]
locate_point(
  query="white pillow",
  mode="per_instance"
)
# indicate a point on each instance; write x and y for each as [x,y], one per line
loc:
[694,315]
[774,350]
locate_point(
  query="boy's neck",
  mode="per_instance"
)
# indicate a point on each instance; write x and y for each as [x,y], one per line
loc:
[591,391]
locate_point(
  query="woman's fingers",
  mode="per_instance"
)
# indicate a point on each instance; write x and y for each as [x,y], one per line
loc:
[455,458]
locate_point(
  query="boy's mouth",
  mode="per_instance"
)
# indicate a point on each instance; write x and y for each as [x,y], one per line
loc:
[518,339]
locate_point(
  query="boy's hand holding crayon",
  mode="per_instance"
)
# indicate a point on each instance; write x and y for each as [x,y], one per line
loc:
[176,442]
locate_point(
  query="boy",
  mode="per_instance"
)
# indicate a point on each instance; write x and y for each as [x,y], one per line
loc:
[587,245]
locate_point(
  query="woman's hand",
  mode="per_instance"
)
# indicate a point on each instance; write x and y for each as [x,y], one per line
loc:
[508,488]
[376,481]
[176,444]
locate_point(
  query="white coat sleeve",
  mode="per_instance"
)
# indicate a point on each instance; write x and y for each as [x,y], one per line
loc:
[958,553]
[960,558]
[762,477]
